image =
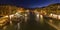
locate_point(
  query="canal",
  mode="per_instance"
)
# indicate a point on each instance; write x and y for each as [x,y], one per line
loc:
[31,24]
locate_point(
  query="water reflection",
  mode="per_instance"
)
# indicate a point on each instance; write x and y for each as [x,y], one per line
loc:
[32,21]
[18,26]
[41,19]
[54,23]
[5,27]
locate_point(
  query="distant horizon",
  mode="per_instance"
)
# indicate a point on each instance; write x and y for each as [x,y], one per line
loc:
[34,7]
[29,3]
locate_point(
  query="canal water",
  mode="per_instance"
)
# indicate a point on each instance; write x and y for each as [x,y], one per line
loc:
[31,24]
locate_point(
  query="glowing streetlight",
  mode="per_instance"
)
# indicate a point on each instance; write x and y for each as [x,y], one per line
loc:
[25,14]
[6,16]
[51,15]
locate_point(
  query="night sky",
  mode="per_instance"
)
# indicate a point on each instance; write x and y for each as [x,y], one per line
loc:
[29,3]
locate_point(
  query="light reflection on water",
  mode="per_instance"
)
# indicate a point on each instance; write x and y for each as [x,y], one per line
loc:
[54,23]
[4,28]
[18,25]
[41,19]
[11,27]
